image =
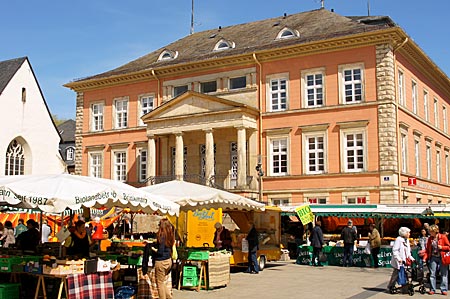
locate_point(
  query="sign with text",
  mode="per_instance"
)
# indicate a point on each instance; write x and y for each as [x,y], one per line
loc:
[305,214]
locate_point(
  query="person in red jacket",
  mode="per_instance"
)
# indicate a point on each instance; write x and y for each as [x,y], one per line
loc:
[437,244]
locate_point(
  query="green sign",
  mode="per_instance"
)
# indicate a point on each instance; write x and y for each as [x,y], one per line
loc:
[305,214]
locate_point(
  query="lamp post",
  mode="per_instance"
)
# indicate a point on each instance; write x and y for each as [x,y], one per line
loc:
[260,172]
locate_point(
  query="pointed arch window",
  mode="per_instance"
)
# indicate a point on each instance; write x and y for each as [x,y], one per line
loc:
[167,55]
[224,45]
[287,33]
[15,159]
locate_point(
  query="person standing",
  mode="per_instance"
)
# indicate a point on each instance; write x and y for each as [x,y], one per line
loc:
[165,239]
[79,242]
[349,236]
[253,246]
[29,239]
[400,252]
[46,231]
[437,243]
[20,228]
[222,237]
[316,243]
[8,234]
[422,246]
[375,244]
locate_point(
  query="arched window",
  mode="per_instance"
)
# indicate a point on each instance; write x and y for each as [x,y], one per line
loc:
[70,154]
[223,45]
[15,159]
[287,33]
[167,55]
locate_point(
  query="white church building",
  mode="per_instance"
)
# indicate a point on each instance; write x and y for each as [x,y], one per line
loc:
[29,139]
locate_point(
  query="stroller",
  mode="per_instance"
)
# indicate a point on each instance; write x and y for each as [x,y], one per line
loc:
[414,279]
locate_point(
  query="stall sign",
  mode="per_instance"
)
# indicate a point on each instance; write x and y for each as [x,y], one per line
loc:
[305,214]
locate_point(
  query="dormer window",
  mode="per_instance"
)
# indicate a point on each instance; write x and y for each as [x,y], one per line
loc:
[287,33]
[223,45]
[168,55]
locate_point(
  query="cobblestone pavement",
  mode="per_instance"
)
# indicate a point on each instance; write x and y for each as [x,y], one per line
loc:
[289,280]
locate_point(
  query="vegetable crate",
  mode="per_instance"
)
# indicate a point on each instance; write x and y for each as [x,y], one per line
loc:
[9,290]
[198,255]
[7,262]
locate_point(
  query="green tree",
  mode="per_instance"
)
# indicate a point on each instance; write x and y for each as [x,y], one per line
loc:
[57,120]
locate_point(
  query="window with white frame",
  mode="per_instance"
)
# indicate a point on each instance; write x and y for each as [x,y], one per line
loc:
[445,119]
[278,94]
[142,164]
[438,166]
[404,147]
[354,151]
[70,154]
[447,168]
[315,153]
[401,88]
[95,164]
[15,159]
[436,113]
[317,200]
[358,200]
[417,156]
[97,117]
[414,96]
[121,113]
[146,105]
[314,89]
[237,83]
[280,201]
[425,106]
[120,166]
[279,156]
[208,87]
[428,157]
[352,84]
[173,151]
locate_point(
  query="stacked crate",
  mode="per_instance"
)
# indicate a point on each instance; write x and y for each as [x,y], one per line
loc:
[190,276]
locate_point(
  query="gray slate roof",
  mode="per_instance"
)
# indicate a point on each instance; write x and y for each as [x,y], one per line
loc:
[67,131]
[256,36]
[7,70]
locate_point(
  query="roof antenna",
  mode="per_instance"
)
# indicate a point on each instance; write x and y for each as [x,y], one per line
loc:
[192,17]
[368,8]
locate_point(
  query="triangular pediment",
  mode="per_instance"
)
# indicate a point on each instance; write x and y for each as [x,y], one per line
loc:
[192,103]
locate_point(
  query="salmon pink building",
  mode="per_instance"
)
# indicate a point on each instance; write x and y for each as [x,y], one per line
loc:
[311,107]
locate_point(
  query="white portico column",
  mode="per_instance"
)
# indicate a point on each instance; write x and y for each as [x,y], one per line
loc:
[241,158]
[179,156]
[209,155]
[151,157]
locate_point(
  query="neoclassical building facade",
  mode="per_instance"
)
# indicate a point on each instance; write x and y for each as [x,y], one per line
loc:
[310,107]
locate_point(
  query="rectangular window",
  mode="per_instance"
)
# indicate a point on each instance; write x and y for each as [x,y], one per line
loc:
[447,168]
[425,106]
[178,90]
[414,96]
[445,119]
[404,146]
[436,113]
[142,160]
[438,166]
[428,162]
[280,202]
[238,83]
[353,85]
[173,152]
[120,166]
[401,88]
[279,156]
[121,117]
[417,156]
[314,90]
[315,154]
[147,104]
[97,117]
[317,200]
[278,94]
[207,87]
[354,151]
[95,165]
[357,200]
[70,154]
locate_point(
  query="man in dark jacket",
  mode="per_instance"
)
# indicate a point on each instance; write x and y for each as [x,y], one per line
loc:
[29,240]
[316,243]
[253,246]
[348,234]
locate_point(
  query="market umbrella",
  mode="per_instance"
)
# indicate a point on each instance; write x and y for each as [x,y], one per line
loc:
[189,195]
[55,193]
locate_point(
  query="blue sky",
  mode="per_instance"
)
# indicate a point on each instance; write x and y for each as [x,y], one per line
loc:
[66,40]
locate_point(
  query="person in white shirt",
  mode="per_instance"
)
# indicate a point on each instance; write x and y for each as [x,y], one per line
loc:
[46,231]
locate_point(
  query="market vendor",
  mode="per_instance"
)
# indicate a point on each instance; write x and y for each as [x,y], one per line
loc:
[29,239]
[222,237]
[79,241]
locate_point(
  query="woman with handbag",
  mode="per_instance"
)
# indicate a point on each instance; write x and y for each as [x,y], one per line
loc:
[437,246]
[401,254]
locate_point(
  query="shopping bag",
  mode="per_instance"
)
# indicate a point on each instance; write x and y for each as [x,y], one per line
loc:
[144,291]
[322,257]
[401,280]
[367,248]
[445,256]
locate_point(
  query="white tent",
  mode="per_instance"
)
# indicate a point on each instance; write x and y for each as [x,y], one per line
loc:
[190,195]
[55,193]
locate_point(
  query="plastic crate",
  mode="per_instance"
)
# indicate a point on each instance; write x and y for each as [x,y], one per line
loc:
[198,255]
[9,290]
[190,281]
[7,262]
[190,271]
